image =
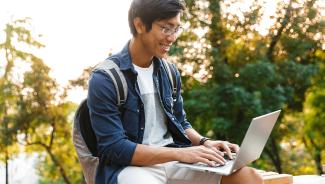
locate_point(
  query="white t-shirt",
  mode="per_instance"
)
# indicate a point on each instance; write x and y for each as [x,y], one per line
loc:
[155,132]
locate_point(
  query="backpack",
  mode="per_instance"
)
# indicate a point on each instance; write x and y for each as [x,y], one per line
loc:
[84,138]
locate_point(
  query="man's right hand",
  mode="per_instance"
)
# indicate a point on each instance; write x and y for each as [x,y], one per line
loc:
[202,154]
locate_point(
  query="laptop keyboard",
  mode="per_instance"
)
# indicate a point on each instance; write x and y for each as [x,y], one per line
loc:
[226,157]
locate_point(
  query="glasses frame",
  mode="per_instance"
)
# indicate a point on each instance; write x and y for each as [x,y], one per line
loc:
[169,30]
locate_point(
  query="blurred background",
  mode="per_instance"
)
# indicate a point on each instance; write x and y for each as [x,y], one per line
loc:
[238,59]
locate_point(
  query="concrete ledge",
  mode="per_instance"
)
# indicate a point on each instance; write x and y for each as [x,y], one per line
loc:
[309,179]
[275,178]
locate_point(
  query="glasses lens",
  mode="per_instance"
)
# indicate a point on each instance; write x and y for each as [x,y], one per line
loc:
[179,30]
[168,31]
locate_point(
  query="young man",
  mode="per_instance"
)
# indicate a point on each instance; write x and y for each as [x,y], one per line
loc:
[139,142]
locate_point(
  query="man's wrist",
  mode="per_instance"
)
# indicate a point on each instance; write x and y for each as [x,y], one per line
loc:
[203,140]
[176,154]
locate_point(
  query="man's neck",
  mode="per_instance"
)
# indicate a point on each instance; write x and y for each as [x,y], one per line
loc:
[139,55]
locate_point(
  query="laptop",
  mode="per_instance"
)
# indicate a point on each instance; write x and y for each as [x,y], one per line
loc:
[250,149]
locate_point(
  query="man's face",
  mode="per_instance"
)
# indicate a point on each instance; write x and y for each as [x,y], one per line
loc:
[162,35]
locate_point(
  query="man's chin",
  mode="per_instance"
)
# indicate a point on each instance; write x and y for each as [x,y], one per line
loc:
[162,55]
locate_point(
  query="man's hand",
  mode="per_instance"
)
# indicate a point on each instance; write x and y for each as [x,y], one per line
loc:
[202,154]
[222,146]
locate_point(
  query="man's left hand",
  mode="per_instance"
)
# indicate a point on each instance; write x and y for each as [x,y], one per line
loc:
[222,146]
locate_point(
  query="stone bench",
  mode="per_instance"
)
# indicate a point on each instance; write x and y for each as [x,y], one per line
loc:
[309,179]
[275,178]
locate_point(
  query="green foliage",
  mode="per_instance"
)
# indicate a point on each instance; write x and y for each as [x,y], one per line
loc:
[33,108]
[314,116]
[250,74]
[82,81]
[15,32]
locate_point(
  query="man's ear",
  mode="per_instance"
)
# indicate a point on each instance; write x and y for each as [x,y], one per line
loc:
[139,26]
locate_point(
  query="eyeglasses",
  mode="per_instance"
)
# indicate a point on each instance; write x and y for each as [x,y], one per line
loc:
[169,30]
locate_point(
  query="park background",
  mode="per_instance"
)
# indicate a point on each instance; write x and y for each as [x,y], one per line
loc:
[238,59]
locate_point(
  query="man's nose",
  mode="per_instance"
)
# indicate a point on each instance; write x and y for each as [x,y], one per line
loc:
[172,37]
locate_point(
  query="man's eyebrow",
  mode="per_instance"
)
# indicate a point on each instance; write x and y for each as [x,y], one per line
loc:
[173,25]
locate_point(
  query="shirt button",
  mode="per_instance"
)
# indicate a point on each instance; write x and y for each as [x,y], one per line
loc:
[173,119]
[142,128]
[138,110]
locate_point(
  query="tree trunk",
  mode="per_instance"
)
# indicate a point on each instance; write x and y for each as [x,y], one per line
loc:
[315,151]
[273,153]
[316,154]
[53,158]
[6,146]
[216,34]
[6,162]
[318,160]
[276,37]
[278,163]
[55,161]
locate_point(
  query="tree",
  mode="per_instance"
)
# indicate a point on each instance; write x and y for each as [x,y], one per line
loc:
[43,120]
[34,109]
[233,73]
[314,115]
[9,81]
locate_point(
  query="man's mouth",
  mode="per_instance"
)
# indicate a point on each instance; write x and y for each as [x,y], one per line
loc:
[165,47]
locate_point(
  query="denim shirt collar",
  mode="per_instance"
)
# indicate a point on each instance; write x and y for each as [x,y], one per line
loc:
[125,58]
[126,61]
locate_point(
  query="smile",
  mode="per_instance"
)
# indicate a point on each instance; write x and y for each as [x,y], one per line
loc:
[165,47]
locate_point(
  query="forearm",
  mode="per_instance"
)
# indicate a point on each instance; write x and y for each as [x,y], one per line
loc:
[194,136]
[145,155]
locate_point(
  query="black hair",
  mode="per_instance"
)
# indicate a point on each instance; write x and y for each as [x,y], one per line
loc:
[151,10]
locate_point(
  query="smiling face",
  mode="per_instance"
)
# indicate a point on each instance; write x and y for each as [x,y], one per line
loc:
[160,38]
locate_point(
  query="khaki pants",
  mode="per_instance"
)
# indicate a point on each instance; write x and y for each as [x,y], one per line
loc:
[165,174]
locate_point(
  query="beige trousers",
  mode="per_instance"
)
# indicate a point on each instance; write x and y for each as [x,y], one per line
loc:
[165,173]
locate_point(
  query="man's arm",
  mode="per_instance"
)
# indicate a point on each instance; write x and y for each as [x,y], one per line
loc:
[114,147]
[194,136]
[147,155]
[215,145]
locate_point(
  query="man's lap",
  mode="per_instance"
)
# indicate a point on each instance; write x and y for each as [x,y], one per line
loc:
[165,173]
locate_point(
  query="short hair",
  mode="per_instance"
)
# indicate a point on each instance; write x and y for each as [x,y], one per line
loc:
[152,10]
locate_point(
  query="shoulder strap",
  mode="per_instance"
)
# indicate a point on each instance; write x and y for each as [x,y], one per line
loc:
[110,68]
[172,77]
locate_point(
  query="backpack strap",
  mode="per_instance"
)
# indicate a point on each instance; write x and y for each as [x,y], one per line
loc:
[172,77]
[110,68]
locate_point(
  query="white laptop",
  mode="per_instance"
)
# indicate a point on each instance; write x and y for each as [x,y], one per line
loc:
[250,149]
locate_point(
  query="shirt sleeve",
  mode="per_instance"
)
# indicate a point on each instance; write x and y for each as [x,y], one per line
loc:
[113,145]
[179,111]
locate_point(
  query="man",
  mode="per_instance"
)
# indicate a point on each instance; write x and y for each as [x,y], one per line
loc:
[139,142]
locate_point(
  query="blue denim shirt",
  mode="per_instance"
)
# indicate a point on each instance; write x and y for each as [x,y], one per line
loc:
[119,130]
